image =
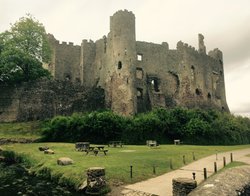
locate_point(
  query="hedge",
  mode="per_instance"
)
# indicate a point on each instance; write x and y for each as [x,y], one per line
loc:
[193,126]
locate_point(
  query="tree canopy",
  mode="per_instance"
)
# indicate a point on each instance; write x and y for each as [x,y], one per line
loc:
[23,49]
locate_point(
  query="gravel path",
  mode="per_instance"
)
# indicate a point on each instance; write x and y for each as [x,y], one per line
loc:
[162,185]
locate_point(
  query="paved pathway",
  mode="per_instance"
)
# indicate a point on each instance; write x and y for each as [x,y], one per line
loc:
[162,185]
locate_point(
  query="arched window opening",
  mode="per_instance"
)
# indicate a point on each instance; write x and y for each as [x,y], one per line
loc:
[155,84]
[192,72]
[119,65]
[67,77]
[139,93]
[198,92]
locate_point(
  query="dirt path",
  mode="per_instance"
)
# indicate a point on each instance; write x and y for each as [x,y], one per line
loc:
[162,185]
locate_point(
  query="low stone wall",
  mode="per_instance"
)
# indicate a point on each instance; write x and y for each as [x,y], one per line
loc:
[45,99]
[233,182]
[183,186]
[96,181]
[15,140]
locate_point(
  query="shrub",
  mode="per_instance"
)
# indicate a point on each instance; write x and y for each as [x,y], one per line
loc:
[193,126]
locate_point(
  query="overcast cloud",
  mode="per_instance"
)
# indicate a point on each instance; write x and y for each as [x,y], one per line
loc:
[224,23]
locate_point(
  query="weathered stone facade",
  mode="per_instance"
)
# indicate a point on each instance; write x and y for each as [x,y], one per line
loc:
[138,76]
[45,99]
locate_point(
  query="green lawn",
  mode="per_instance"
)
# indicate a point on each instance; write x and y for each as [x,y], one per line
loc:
[117,162]
[29,130]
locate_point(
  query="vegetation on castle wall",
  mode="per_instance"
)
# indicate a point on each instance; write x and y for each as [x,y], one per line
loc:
[193,126]
[23,49]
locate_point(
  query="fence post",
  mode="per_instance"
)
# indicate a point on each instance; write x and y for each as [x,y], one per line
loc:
[193,156]
[205,173]
[231,156]
[184,160]
[170,164]
[224,161]
[215,167]
[131,171]
[154,169]
[193,175]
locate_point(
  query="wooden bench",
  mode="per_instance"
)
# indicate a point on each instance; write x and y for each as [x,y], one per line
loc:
[177,142]
[115,144]
[152,143]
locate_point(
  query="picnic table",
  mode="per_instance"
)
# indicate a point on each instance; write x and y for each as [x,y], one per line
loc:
[96,149]
[115,144]
[152,143]
[81,146]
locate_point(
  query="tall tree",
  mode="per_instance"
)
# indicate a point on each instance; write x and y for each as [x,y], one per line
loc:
[23,49]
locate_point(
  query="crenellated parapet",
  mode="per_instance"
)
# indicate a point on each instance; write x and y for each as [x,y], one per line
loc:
[181,46]
[120,64]
[123,12]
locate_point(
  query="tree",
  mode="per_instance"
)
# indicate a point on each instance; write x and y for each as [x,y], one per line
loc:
[23,49]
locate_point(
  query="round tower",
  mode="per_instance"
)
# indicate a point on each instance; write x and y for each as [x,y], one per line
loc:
[122,32]
[122,61]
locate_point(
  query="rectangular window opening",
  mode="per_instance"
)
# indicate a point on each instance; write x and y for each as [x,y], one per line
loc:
[139,73]
[139,57]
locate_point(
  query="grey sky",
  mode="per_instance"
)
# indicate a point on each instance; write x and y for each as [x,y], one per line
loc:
[224,23]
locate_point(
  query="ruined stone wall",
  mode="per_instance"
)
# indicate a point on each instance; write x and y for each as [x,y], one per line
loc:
[158,65]
[45,99]
[138,76]
[65,64]
[87,66]
[102,69]
[182,77]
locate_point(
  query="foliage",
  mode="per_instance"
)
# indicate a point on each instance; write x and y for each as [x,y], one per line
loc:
[96,127]
[23,49]
[193,126]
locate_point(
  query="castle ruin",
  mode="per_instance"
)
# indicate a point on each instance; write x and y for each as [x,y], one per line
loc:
[138,76]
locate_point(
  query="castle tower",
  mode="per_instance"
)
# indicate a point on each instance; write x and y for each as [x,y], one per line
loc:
[202,47]
[121,63]
[218,78]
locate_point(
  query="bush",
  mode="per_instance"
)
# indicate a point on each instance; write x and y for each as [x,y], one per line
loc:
[195,126]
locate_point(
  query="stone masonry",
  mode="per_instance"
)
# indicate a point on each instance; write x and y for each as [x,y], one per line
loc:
[138,76]
[47,98]
[119,73]
[234,181]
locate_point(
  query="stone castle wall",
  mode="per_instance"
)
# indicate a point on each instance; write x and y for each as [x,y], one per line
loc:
[45,99]
[65,63]
[184,76]
[136,76]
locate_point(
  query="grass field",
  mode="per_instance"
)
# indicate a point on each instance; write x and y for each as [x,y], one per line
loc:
[29,130]
[117,162]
